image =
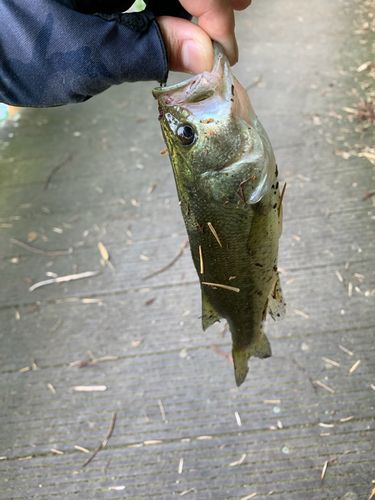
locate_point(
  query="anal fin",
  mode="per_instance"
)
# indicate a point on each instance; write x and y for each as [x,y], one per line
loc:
[262,348]
[276,304]
[209,313]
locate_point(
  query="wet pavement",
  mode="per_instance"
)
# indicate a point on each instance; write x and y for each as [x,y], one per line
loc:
[83,180]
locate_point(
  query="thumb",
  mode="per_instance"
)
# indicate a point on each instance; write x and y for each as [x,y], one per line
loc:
[189,48]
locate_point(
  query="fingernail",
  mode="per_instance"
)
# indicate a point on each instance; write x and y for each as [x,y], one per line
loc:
[195,58]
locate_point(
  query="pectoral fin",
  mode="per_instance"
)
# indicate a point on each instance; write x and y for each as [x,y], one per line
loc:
[276,304]
[209,314]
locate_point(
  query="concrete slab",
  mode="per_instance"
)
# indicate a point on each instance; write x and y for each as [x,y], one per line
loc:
[182,427]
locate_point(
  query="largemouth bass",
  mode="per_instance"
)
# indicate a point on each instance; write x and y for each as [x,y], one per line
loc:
[227,183]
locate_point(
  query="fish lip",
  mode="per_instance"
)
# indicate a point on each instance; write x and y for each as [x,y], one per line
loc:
[218,54]
[159,91]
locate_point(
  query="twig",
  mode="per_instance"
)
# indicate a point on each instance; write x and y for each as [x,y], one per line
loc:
[218,285]
[346,350]
[325,467]
[302,370]
[185,492]
[55,169]
[173,261]
[89,388]
[249,496]
[57,324]
[354,367]
[33,309]
[226,355]
[41,252]
[368,195]
[61,279]
[201,259]
[105,468]
[213,231]
[281,199]
[238,462]
[254,82]
[104,442]
[329,389]
[51,388]
[162,411]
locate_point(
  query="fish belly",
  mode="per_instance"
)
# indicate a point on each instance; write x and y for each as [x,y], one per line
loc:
[234,245]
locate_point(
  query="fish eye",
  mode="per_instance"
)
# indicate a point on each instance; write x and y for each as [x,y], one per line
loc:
[186,133]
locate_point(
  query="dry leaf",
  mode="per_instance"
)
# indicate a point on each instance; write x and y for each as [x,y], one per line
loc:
[89,388]
[32,237]
[103,251]
[364,66]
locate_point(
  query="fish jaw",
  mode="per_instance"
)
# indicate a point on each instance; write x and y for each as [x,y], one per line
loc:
[200,87]
[204,103]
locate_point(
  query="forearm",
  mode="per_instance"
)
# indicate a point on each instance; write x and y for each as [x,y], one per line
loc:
[51,54]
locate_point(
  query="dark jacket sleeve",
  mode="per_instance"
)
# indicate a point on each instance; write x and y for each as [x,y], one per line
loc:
[51,54]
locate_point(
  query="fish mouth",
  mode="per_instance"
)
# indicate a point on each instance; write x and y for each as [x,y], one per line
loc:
[199,87]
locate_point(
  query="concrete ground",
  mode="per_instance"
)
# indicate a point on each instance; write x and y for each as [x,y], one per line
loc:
[302,425]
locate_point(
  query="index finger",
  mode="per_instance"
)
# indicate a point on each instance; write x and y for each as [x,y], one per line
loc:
[216,18]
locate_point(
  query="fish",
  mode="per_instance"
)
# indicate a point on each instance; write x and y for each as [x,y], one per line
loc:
[228,189]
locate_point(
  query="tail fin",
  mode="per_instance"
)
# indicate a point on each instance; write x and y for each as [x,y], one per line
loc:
[262,349]
[240,359]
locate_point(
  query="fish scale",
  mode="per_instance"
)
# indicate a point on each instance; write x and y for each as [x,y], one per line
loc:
[226,178]
[240,256]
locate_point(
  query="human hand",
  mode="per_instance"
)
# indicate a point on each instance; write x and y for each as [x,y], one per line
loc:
[189,46]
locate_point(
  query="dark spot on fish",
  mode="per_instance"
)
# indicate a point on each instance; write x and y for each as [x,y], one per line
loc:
[276,171]
[275,205]
[275,269]
[260,293]
[273,186]
[278,314]
[277,185]
[232,99]
[259,265]
[232,89]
